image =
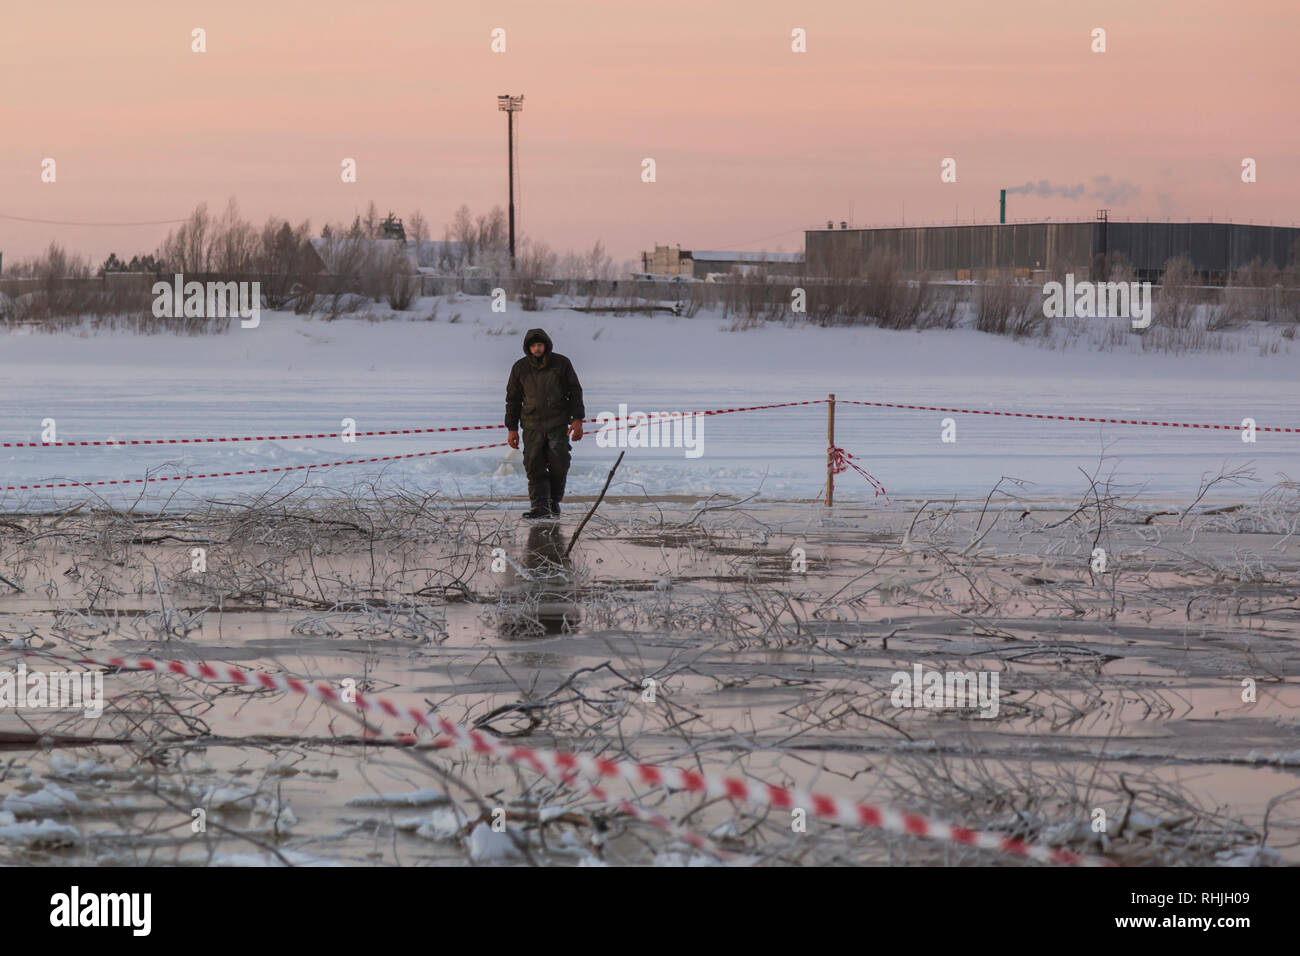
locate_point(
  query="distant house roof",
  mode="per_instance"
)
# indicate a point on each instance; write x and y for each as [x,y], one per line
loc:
[436,253]
[713,255]
[345,255]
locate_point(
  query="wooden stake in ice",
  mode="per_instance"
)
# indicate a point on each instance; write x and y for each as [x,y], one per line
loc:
[608,479]
[830,450]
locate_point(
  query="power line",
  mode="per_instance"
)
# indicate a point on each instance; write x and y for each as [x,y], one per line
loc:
[60,222]
[750,242]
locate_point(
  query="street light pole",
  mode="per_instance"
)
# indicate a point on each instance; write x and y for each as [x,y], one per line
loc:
[511,105]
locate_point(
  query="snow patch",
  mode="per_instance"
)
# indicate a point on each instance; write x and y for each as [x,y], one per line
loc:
[486,845]
[50,799]
[415,798]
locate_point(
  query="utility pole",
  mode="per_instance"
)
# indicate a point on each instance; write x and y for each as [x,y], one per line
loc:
[1103,217]
[510,105]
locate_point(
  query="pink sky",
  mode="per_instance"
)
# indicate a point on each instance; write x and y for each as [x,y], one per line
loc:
[752,142]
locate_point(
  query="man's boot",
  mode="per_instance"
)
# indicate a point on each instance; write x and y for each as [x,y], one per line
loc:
[557,492]
[539,492]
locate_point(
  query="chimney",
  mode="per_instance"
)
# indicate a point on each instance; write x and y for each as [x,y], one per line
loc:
[1002,208]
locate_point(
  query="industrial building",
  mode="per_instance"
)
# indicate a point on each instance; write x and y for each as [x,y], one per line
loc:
[700,264]
[1215,249]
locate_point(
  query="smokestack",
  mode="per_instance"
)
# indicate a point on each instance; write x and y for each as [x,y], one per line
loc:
[1002,208]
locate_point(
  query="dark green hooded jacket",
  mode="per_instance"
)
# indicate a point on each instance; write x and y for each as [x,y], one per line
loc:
[542,393]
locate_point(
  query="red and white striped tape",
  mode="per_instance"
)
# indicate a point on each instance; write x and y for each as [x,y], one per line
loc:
[113,443]
[246,471]
[842,460]
[286,468]
[443,743]
[570,779]
[116,443]
[1064,418]
[557,764]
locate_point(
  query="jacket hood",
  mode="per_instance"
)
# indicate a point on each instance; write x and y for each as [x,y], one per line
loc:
[536,335]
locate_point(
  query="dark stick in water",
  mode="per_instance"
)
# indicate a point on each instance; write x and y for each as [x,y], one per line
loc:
[608,479]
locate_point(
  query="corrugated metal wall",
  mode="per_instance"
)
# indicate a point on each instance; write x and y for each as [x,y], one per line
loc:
[945,249]
[1214,248]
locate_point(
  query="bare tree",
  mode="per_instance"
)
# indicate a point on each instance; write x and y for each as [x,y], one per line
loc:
[451,257]
[283,258]
[187,249]
[492,236]
[417,227]
[599,265]
[400,285]
[234,243]
[462,229]
[1175,308]
[536,263]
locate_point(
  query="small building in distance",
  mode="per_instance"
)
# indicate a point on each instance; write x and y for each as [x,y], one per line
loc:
[351,256]
[346,255]
[437,256]
[714,262]
[700,264]
[667,261]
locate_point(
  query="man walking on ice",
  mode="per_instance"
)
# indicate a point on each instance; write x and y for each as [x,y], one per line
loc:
[544,395]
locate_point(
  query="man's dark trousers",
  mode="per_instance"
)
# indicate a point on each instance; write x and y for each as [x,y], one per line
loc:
[546,462]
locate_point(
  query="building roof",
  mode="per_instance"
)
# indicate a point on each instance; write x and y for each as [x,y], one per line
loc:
[342,255]
[345,254]
[431,253]
[713,255]
[1060,222]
